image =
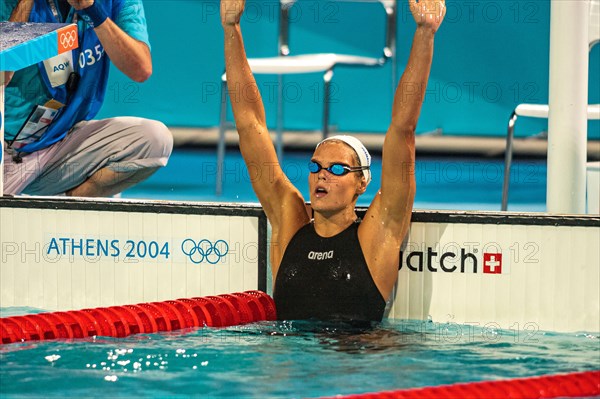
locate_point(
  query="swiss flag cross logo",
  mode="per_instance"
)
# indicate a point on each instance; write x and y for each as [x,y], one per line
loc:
[492,263]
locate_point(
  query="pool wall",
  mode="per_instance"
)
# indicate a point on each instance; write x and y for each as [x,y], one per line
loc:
[60,254]
[522,272]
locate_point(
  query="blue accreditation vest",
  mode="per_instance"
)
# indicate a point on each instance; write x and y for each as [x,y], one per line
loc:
[92,64]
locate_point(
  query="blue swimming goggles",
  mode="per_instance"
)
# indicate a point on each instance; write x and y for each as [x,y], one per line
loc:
[336,169]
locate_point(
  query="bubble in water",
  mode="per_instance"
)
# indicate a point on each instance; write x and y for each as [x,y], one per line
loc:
[111,378]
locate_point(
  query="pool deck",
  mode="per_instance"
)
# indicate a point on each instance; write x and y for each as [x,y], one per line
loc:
[433,143]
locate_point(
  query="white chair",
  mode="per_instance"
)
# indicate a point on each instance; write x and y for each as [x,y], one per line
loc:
[285,64]
[542,110]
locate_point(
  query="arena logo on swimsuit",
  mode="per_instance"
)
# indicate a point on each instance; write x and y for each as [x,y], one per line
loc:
[312,255]
[450,262]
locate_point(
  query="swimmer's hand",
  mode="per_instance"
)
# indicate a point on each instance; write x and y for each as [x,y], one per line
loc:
[428,13]
[231,11]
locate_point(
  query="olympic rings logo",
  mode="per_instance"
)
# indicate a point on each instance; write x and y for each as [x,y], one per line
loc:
[204,250]
[67,39]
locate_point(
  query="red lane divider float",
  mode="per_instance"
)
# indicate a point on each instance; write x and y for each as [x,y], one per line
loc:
[121,321]
[573,385]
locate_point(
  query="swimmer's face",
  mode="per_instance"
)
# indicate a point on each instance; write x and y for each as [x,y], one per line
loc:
[329,192]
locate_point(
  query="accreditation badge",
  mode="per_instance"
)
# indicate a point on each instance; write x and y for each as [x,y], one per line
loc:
[35,125]
[59,68]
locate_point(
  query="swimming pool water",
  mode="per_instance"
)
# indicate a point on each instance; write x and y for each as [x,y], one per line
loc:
[289,359]
[442,183]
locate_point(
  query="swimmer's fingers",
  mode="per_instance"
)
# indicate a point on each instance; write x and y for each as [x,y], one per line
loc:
[428,13]
[231,11]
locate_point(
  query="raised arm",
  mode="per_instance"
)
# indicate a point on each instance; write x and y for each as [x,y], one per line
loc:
[398,180]
[397,192]
[279,198]
[388,218]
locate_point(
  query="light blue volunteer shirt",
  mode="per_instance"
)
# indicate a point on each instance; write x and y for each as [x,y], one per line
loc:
[27,89]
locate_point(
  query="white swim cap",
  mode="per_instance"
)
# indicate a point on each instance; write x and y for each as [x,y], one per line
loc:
[364,158]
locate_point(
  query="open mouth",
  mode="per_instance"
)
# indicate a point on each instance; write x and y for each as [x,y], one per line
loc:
[320,192]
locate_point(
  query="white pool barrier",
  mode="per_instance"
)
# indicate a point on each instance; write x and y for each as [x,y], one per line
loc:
[59,254]
[519,272]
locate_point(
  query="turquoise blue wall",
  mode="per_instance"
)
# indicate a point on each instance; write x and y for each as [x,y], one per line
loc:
[489,57]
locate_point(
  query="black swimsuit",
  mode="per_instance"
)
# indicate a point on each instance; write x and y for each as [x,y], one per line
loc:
[326,279]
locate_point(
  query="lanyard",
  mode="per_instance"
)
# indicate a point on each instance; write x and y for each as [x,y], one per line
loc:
[72,16]
[54,10]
